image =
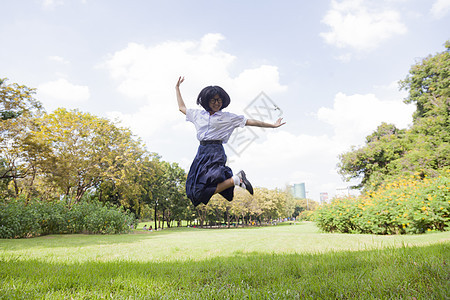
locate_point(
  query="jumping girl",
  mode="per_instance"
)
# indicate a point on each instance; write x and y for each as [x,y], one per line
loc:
[208,174]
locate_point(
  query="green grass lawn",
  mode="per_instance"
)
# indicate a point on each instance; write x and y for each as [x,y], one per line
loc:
[276,262]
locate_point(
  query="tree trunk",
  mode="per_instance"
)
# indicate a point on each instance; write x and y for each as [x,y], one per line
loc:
[163,218]
[79,195]
[16,187]
[168,219]
[156,224]
[30,186]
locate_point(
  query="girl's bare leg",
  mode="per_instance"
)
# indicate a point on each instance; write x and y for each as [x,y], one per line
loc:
[224,185]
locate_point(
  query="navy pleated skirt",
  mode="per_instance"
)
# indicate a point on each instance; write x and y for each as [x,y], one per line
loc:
[207,170]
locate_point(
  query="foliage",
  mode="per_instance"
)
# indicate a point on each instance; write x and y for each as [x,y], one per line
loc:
[303,208]
[19,219]
[428,84]
[407,205]
[16,100]
[261,208]
[106,219]
[306,215]
[374,161]
[425,147]
[84,150]
[18,112]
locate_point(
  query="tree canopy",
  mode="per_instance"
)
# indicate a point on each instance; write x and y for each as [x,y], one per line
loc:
[424,148]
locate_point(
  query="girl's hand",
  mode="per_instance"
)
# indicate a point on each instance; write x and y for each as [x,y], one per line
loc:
[278,123]
[181,105]
[180,80]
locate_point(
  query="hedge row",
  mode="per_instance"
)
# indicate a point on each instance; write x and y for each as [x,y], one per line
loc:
[19,219]
[409,205]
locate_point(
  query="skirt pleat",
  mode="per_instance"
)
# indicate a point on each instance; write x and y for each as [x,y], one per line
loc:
[207,170]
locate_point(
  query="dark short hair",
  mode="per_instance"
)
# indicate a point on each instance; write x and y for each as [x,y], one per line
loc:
[209,92]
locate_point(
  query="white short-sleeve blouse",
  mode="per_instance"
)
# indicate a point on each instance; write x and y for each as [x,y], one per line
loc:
[218,126]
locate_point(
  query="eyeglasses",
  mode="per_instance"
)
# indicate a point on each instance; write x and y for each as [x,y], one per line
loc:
[215,100]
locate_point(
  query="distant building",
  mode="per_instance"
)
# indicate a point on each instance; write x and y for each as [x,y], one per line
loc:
[343,192]
[323,198]
[298,190]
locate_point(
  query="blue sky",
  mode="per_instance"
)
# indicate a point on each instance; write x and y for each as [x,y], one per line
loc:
[332,67]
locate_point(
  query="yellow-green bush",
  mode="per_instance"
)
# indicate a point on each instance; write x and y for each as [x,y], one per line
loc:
[408,205]
[306,215]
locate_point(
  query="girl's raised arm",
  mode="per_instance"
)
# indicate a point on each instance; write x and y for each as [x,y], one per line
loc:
[181,105]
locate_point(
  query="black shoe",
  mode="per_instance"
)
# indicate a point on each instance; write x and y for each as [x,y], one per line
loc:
[244,182]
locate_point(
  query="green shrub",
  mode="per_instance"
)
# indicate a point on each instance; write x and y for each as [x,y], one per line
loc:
[19,219]
[103,219]
[408,205]
[52,217]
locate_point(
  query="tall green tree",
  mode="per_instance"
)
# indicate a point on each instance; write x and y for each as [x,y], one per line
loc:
[373,162]
[428,84]
[425,147]
[172,199]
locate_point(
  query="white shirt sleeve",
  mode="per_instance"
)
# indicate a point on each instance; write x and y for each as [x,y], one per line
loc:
[190,114]
[237,120]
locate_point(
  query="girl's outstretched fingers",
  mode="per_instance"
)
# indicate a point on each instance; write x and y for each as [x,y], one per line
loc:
[180,80]
[278,123]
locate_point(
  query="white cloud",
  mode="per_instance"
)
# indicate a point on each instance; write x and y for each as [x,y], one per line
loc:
[51,4]
[62,93]
[58,59]
[440,8]
[355,25]
[150,73]
[356,116]
[390,92]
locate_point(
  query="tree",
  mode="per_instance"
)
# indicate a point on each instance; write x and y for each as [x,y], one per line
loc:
[85,151]
[372,162]
[428,84]
[16,100]
[18,110]
[425,147]
[175,201]
[241,204]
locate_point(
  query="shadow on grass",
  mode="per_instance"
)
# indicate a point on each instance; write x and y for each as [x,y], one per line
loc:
[406,273]
[75,240]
